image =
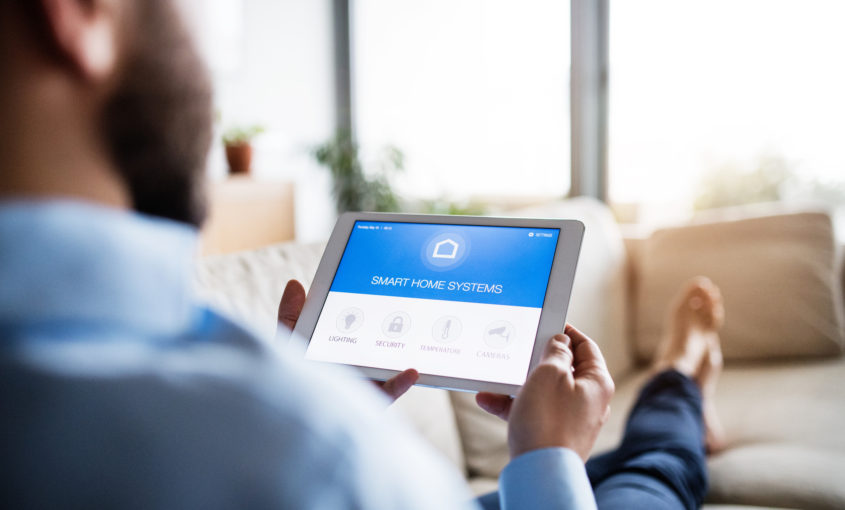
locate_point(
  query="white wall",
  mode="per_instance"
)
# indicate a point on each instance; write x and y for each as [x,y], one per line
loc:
[272,62]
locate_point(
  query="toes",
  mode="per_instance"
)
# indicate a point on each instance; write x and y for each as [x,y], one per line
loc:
[695,302]
[704,298]
[706,287]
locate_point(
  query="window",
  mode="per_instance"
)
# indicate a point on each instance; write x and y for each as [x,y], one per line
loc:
[475,93]
[721,102]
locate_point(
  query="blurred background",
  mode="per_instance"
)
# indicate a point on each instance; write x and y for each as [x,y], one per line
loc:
[723,120]
[662,108]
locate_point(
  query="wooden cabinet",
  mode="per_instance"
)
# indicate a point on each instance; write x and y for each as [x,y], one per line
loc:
[247,213]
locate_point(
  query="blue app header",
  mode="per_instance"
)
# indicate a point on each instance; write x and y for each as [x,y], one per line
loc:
[476,264]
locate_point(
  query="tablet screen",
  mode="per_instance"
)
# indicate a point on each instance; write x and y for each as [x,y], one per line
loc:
[451,300]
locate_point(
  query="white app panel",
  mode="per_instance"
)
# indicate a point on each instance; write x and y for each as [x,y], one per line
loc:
[484,342]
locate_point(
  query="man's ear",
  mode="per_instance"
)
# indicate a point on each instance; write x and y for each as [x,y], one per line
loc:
[85,34]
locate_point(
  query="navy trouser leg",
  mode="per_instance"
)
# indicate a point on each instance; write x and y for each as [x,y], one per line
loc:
[661,462]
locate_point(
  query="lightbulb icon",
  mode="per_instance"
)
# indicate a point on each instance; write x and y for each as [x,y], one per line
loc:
[350,320]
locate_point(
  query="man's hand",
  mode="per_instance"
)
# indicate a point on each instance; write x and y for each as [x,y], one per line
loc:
[564,402]
[397,385]
[290,307]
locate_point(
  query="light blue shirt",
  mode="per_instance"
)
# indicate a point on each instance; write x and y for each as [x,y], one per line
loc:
[117,389]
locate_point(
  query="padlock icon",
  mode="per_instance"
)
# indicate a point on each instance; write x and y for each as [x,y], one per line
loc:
[396,325]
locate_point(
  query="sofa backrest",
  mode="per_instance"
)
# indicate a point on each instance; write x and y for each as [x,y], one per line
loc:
[779,278]
[247,285]
[599,304]
[599,307]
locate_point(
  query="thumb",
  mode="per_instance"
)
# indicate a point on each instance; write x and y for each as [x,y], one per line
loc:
[495,404]
[293,299]
[396,386]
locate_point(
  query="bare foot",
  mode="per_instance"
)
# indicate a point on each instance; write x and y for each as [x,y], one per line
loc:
[691,346]
[711,367]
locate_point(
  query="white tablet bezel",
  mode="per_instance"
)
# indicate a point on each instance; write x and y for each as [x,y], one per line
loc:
[552,316]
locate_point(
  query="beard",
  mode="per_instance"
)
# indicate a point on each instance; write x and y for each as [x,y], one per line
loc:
[158,121]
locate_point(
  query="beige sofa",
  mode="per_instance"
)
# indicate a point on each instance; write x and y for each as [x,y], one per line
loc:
[782,395]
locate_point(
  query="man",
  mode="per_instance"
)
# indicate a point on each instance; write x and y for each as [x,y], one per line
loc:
[117,389]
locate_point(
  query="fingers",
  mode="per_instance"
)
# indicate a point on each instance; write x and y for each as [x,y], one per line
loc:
[397,385]
[497,405]
[585,350]
[293,299]
[588,361]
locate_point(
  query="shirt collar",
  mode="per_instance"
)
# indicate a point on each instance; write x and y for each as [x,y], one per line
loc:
[71,261]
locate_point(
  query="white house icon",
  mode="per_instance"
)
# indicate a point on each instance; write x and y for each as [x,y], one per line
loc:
[445,249]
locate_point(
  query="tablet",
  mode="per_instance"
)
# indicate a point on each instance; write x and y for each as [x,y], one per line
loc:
[469,302]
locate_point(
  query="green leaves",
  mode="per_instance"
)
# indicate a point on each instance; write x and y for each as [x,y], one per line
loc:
[353,189]
[239,135]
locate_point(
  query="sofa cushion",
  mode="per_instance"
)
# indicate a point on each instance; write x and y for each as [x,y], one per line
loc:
[783,421]
[777,275]
[429,411]
[779,474]
[483,436]
[247,285]
[784,429]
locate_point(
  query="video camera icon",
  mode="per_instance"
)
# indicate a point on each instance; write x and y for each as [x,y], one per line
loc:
[499,334]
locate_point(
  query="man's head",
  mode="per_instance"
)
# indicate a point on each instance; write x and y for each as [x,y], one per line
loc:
[114,83]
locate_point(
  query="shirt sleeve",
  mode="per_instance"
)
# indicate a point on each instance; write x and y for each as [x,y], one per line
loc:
[544,479]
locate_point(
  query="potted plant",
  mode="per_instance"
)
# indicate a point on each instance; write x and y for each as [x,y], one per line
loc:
[352,187]
[238,143]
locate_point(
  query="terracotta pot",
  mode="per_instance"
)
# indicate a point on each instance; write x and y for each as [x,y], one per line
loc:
[239,157]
